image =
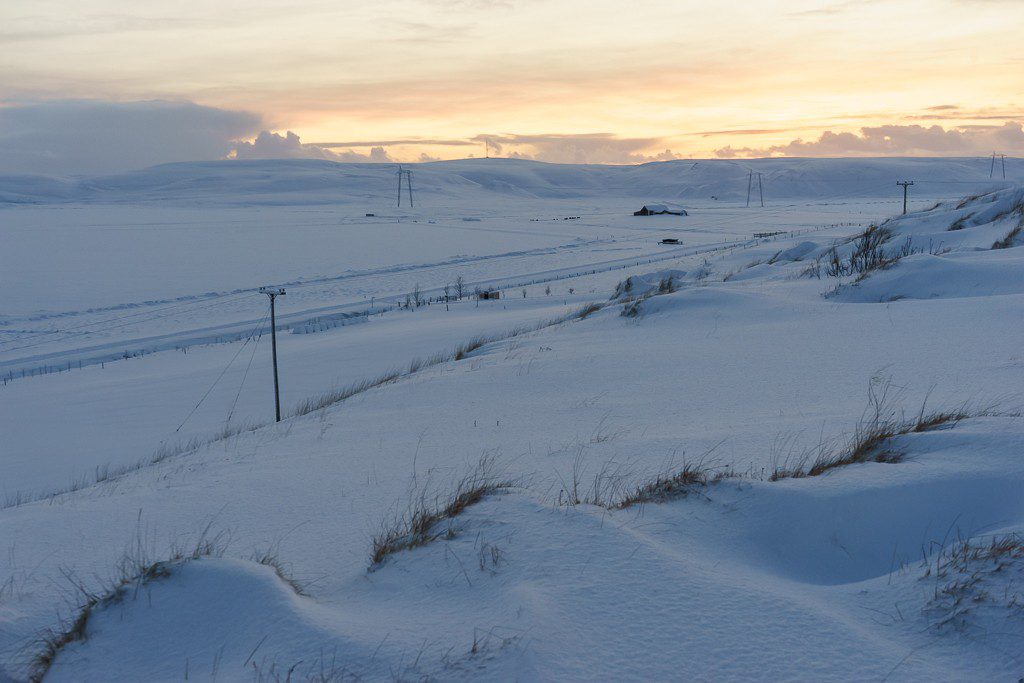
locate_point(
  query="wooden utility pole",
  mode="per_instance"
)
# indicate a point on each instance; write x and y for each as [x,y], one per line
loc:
[750,185]
[992,169]
[408,179]
[273,293]
[905,184]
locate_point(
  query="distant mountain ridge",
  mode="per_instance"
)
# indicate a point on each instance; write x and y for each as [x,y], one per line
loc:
[314,181]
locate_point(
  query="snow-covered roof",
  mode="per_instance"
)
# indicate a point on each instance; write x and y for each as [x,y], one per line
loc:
[662,207]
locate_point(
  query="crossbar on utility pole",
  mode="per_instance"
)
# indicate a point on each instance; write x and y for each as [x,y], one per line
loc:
[905,184]
[273,293]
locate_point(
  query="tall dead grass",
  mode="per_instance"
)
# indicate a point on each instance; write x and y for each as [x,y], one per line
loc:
[424,519]
[872,438]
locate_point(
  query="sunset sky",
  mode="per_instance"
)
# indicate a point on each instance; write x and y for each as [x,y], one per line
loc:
[557,80]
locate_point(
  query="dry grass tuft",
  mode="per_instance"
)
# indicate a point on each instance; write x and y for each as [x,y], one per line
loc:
[973,198]
[633,308]
[961,222]
[315,403]
[422,522]
[615,485]
[868,254]
[270,558]
[871,440]
[970,577]
[1010,238]
[587,310]
[624,288]
[134,571]
[665,487]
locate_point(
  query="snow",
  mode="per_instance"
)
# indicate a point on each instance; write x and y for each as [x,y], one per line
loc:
[924,276]
[797,252]
[753,361]
[685,583]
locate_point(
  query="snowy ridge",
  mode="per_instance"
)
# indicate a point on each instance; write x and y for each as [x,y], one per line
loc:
[750,562]
[906,564]
[952,252]
[287,182]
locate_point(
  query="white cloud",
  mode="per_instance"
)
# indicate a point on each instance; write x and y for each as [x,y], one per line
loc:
[588,148]
[68,137]
[269,145]
[897,140]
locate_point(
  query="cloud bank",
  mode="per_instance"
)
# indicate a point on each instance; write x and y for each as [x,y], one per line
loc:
[95,137]
[269,145]
[70,137]
[91,137]
[897,140]
[588,148]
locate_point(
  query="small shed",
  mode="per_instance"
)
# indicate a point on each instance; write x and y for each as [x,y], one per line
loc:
[659,209]
[489,294]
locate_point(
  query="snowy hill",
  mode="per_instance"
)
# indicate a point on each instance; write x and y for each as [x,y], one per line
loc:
[277,182]
[793,456]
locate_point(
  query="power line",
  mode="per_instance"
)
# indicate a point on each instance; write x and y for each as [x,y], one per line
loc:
[219,377]
[259,326]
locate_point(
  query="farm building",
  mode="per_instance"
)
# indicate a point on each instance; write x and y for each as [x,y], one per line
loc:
[657,209]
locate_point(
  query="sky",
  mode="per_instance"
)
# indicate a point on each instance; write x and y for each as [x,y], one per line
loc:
[108,85]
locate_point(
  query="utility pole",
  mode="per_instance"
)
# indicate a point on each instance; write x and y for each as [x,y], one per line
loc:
[905,184]
[273,293]
[750,185]
[992,169]
[408,178]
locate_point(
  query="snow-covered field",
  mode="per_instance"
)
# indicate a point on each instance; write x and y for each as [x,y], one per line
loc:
[760,353]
